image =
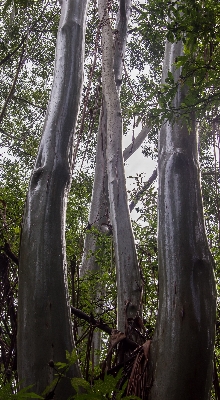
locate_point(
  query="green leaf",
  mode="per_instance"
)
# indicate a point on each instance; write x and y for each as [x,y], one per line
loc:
[80,382]
[29,395]
[170,37]
[50,387]
[71,357]
[61,365]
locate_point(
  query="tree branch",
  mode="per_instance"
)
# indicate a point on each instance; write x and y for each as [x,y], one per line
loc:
[136,143]
[10,94]
[9,55]
[100,325]
[143,189]
[8,252]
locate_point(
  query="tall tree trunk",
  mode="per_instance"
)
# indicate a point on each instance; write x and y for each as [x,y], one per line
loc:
[98,218]
[44,326]
[100,200]
[182,348]
[100,208]
[128,276]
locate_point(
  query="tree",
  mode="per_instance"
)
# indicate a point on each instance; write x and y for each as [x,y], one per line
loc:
[44,330]
[187,298]
[187,292]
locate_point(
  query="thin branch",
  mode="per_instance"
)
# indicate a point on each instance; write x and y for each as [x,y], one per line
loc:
[29,102]
[100,325]
[8,252]
[136,143]
[9,55]
[143,189]
[136,9]
[10,94]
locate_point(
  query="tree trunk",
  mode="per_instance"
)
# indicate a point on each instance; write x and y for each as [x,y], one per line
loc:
[98,218]
[128,275]
[182,348]
[100,200]
[44,326]
[100,208]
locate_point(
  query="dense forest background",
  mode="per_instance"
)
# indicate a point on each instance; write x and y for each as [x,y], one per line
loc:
[27,54]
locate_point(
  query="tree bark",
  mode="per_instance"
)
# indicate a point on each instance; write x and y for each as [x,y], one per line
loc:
[128,275]
[44,326]
[182,348]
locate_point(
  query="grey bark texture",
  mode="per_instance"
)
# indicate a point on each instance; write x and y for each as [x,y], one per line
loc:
[128,275]
[182,348]
[44,325]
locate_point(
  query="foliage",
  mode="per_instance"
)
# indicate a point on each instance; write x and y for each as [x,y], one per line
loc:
[101,388]
[8,392]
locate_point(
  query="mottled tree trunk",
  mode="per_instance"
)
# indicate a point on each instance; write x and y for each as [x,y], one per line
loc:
[182,348]
[44,326]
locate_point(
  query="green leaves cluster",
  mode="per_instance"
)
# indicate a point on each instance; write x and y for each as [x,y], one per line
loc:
[101,389]
[197,24]
[8,392]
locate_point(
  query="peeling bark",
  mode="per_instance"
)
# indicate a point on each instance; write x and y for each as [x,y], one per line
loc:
[182,348]
[44,326]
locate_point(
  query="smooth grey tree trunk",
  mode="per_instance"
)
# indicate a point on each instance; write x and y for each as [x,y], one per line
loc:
[100,209]
[44,326]
[128,275]
[98,219]
[182,347]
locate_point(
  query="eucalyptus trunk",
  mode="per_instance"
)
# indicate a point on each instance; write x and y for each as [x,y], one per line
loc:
[182,348]
[44,325]
[100,209]
[128,275]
